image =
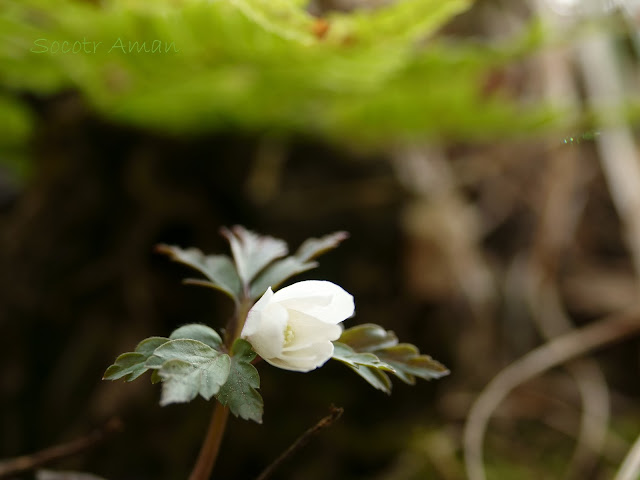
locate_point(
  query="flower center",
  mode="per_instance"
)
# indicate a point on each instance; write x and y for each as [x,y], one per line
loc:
[288,335]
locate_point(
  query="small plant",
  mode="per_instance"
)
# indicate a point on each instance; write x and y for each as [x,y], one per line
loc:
[295,328]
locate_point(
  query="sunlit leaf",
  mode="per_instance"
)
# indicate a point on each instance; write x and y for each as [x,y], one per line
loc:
[364,75]
[281,270]
[253,252]
[188,368]
[239,392]
[196,331]
[407,20]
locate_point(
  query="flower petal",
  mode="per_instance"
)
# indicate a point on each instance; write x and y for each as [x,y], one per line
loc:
[323,300]
[310,358]
[265,326]
[307,330]
[254,317]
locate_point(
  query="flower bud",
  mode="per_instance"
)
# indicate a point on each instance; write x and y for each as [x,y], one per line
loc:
[293,328]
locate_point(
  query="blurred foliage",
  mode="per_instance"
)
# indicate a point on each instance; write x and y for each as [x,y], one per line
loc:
[257,65]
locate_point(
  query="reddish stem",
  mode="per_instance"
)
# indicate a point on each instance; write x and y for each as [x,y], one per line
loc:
[213,439]
[211,446]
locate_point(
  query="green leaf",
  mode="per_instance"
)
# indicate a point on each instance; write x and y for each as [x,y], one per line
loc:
[196,331]
[368,337]
[281,270]
[218,269]
[406,358]
[131,365]
[346,354]
[277,273]
[281,17]
[155,376]
[364,79]
[239,393]
[253,252]
[154,363]
[367,365]
[405,21]
[189,367]
[314,247]
[376,378]
[369,348]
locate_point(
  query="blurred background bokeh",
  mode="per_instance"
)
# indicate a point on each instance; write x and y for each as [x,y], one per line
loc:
[482,156]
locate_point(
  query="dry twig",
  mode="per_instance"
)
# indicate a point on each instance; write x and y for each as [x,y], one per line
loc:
[553,353]
[334,414]
[26,463]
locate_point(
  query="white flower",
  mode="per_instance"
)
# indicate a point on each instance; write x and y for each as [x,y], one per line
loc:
[293,328]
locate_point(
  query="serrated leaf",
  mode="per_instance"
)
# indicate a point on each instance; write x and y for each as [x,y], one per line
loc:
[218,269]
[407,358]
[148,345]
[183,381]
[196,331]
[281,270]
[239,392]
[131,365]
[154,362]
[344,353]
[127,365]
[404,360]
[253,252]
[375,377]
[277,273]
[368,337]
[405,377]
[367,365]
[314,247]
[189,367]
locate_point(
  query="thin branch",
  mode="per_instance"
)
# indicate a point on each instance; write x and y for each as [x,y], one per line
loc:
[551,354]
[26,463]
[334,414]
[589,379]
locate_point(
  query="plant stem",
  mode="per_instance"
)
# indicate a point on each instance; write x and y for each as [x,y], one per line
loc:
[209,450]
[211,445]
[235,326]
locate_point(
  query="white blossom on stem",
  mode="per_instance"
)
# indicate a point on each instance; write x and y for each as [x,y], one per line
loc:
[293,328]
